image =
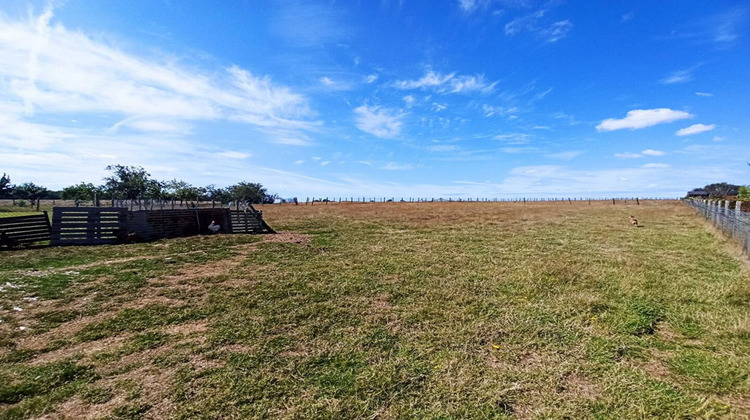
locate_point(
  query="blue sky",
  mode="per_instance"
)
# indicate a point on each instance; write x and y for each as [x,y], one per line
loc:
[460,98]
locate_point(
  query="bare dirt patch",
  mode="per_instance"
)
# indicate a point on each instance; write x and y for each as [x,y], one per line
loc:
[287,237]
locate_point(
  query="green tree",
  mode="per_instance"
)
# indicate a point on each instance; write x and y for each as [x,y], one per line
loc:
[81,192]
[744,193]
[249,192]
[183,191]
[721,190]
[222,195]
[131,182]
[30,191]
[6,188]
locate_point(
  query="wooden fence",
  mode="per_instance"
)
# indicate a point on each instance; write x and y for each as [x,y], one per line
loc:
[248,221]
[97,226]
[24,229]
[87,225]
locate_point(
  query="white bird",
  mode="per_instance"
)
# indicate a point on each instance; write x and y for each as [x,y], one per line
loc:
[213,227]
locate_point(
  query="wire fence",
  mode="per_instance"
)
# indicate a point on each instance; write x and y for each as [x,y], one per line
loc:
[732,217]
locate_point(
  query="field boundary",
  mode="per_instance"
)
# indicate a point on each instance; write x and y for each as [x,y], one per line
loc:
[731,217]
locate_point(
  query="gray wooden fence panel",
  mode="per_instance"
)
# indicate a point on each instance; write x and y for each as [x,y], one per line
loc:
[87,225]
[26,229]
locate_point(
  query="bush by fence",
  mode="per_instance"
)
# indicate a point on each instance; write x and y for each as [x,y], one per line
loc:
[733,217]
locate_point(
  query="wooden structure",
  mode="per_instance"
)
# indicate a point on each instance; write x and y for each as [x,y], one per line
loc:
[87,225]
[248,221]
[111,225]
[24,229]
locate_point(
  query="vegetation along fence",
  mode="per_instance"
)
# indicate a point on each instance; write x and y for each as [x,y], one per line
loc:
[733,217]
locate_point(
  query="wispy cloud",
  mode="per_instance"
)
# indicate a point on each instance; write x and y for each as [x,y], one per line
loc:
[448,83]
[722,29]
[380,122]
[490,111]
[642,118]
[72,73]
[234,155]
[679,76]
[371,78]
[309,24]
[695,129]
[655,166]
[392,166]
[627,17]
[647,152]
[535,24]
[513,138]
[726,25]
[704,94]
[652,152]
[443,148]
[628,155]
[569,155]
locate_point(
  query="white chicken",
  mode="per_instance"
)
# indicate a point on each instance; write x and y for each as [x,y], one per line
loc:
[213,227]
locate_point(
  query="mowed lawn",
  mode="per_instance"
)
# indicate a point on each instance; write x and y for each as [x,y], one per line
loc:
[388,310]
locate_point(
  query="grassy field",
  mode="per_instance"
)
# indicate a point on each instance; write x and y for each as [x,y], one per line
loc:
[388,310]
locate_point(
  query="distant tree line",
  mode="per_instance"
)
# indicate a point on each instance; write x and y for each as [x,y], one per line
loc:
[134,182]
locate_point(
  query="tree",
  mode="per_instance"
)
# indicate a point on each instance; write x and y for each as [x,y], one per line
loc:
[222,195]
[183,191]
[81,192]
[721,190]
[744,193]
[30,191]
[6,188]
[131,182]
[248,192]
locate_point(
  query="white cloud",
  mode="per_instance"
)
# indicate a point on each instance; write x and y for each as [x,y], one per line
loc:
[565,155]
[326,81]
[679,76]
[642,118]
[380,122]
[647,152]
[531,23]
[517,150]
[443,148]
[448,83]
[704,94]
[439,107]
[513,138]
[655,166]
[325,163]
[628,155]
[409,100]
[299,162]
[651,152]
[391,166]
[695,129]
[490,110]
[371,78]
[470,6]
[234,155]
[53,70]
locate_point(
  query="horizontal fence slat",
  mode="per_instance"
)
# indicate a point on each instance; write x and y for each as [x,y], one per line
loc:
[26,229]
